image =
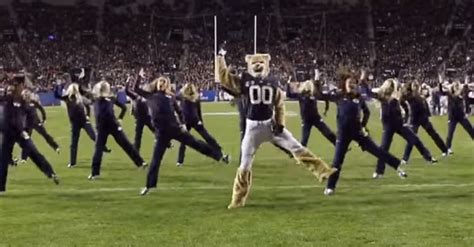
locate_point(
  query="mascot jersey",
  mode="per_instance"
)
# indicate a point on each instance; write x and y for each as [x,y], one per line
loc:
[260,96]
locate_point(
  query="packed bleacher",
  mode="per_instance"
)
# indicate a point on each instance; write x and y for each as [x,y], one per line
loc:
[411,37]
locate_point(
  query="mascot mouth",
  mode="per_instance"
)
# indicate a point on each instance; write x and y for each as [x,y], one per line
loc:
[258,69]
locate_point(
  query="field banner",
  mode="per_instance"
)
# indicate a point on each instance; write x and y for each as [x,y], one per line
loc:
[208,95]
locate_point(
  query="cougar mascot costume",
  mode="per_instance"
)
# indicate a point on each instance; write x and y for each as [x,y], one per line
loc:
[265,119]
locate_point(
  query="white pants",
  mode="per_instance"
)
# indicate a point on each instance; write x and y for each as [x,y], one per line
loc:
[259,132]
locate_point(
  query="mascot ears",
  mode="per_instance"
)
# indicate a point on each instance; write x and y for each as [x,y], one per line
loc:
[258,56]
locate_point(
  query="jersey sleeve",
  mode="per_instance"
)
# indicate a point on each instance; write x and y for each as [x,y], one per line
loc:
[41,109]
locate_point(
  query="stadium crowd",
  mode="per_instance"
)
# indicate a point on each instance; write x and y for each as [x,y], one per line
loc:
[416,38]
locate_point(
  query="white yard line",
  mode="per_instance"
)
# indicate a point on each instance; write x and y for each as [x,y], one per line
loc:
[281,187]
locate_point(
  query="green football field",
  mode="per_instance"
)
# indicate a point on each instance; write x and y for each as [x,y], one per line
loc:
[286,207]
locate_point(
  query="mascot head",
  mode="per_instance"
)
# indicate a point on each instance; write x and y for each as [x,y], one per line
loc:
[306,88]
[102,90]
[258,65]
[190,92]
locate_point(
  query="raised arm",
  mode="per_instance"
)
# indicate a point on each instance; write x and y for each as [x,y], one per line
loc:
[227,77]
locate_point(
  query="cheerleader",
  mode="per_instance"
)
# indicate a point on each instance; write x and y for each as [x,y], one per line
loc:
[163,107]
[33,122]
[78,113]
[417,114]
[351,127]
[191,107]
[108,124]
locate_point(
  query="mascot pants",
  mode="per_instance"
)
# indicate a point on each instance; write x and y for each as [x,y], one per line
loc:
[47,137]
[243,126]
[259,132]
[426,124]
[452,123]
[321,126]
[199,127]
[116,131]
[163,138]
[75,134]
[7,142]
[407,134]
[344,138]
[140,123]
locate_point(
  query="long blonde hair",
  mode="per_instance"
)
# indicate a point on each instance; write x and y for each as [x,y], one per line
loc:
[389,89]
[73,92]
[190,92]
[102,90]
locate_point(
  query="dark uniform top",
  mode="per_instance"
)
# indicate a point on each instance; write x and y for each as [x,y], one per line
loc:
[391,113]
[139,106]
[259,95]
[77,111]
[32,118]
[104,112]
[455,105]
[349,114]
[416,110]
[191,111]
[162,109]
[12,116]
[309,108]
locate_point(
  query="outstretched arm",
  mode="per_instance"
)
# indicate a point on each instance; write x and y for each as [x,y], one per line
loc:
[140,91]
[41,109]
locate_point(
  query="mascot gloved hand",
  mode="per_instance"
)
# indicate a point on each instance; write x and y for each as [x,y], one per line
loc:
[222,50]
[278,129]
